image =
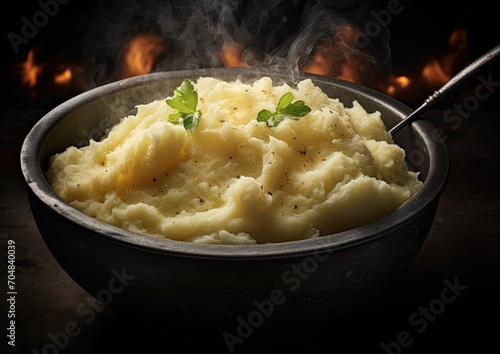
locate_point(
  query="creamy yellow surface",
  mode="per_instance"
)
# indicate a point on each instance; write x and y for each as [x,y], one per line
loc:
[235,180]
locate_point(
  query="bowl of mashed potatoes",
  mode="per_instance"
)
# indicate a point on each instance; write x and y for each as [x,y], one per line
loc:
[233,197]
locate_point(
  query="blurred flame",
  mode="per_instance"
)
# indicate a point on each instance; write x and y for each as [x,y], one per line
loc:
[440,71]
[141,54]
[30,71]
[58,76]
[42,77]
[399,83]
[231,54]
[434,73]
[334,57]
[64,77]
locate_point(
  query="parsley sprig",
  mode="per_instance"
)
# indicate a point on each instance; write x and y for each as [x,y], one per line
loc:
[185,101]
[285,109]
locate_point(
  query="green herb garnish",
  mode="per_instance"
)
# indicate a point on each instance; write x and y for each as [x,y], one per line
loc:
[284,109]
[185,100]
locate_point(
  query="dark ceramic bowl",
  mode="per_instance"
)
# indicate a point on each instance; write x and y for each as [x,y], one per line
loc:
[227,287]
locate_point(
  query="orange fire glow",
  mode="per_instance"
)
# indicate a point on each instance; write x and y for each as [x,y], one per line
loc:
[141,53]
[335,58]
[434,73]
[331,57]
[399,83]
[29,70]
[39,77]
[231,54]
[64,77]
[440,71]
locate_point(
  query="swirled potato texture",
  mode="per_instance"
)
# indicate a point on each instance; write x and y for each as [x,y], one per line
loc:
[235,180]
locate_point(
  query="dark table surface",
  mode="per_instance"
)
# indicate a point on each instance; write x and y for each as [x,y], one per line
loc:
[461,252]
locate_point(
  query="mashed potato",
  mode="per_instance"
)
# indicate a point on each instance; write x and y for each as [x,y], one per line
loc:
[235,180]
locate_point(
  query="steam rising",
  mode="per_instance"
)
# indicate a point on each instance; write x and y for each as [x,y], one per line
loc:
[290,35]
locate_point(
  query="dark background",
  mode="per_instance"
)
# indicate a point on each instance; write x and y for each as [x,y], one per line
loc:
[91,34]
[463,243]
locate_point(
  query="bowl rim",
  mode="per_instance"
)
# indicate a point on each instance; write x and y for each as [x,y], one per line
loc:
[38,187]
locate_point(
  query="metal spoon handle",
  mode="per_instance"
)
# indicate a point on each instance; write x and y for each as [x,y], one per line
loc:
[455,85]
